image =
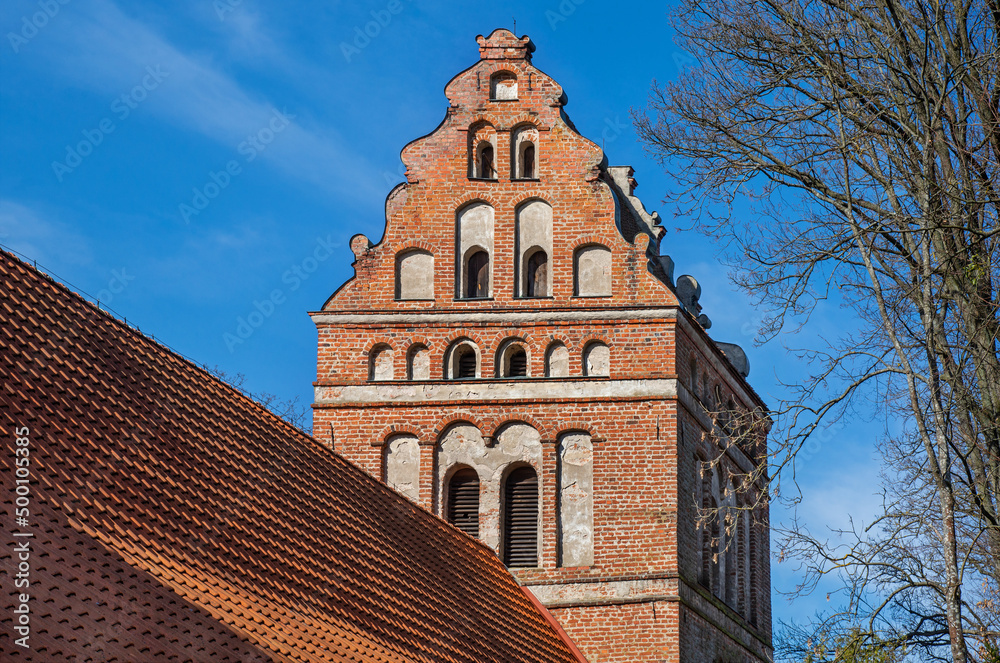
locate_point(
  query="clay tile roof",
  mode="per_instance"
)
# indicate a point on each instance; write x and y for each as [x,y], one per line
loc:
[175,519]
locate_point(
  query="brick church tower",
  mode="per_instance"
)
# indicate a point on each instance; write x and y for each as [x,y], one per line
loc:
[516,356]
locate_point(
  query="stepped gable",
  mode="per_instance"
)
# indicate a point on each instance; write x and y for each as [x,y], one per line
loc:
[175,519]
[504,101]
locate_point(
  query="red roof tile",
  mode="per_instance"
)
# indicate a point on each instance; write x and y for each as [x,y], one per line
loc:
[175,519]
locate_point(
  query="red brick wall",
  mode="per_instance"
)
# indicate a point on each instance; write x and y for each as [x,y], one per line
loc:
[643,469]
[652,629]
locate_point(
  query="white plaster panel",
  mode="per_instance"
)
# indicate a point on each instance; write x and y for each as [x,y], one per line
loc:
[475,228]
[504,86]
[557,361]
[534,229]
[576,499]
[598,592]
[382,366]
[593,271]
[494,391]
[402,465]
[416,276]
[597,360]
[420,364]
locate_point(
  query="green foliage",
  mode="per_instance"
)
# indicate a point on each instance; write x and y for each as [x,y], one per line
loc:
[991,652]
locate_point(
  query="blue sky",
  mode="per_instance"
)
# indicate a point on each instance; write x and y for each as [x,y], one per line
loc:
[183,160]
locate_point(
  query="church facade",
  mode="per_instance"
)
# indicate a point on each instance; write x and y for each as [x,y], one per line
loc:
[516,356]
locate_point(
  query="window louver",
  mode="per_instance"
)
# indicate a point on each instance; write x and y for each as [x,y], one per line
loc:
[521,518]
[518,364]
[467,364]
[463,502]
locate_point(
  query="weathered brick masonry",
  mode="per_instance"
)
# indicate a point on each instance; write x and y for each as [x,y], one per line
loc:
[519,313]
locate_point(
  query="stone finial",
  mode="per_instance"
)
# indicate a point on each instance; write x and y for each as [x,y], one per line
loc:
[736,356]
[503,45]
[689,292]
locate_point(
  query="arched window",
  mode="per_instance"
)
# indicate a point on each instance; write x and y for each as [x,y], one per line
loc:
[533,246]
[693,371]
[592,271]
[512,360]
[503,86]
[557,361]
[524,153]
[528,161]
[596,360]
[463,501]
[418,363]
[380,361]
[485,164]
[520,518]
[474,246]
[477,275]
[537,276]
[462,361]
[482,146]
[415,275]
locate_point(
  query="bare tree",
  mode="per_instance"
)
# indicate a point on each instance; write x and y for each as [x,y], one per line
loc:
[291,410]
[866,134]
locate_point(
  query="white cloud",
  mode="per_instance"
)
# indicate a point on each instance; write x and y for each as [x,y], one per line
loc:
[33,233]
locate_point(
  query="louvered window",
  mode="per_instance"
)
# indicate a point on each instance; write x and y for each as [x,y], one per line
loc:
[520,522]
[463,501]
[518,364]
[466,362]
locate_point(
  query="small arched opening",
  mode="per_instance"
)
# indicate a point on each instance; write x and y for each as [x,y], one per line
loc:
[512,360]
[537,274]
[477,274]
